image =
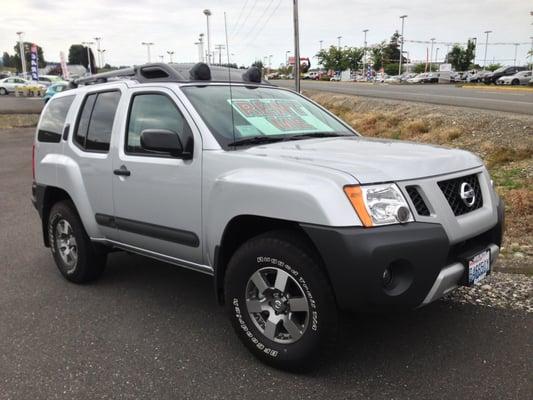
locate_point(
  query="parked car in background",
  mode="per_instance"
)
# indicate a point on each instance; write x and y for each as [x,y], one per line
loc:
[520,78]
[432,77]
[501,72]
[393,79]
[48,80]
[314,75]
[336,78]
[9,85]
[418,78]
[54,89]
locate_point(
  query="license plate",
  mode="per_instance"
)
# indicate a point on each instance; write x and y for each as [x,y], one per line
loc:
[478,267]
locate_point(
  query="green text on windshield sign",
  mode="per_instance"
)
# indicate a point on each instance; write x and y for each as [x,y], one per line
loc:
[277,117]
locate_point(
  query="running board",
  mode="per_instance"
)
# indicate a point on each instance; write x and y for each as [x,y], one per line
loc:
[205,269]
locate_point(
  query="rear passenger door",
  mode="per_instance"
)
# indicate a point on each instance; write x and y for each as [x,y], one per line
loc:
[158,202]
[89,146]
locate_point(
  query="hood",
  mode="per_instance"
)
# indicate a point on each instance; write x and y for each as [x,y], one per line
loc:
[371,160]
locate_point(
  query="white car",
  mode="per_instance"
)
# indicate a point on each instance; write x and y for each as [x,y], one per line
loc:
[520,78]
[8,85]
[418,78]
[336,78]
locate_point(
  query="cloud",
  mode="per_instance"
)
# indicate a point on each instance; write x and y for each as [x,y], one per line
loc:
[175,25]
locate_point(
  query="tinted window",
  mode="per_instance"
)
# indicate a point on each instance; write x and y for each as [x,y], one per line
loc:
[51,127]
[99,134]
[154,111]
[96,120]
[83,122]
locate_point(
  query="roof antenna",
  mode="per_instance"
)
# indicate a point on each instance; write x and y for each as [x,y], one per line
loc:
[229,78]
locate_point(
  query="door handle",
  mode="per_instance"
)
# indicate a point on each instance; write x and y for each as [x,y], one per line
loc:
[122,171]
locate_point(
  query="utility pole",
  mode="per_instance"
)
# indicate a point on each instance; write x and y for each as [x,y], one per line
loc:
[475,48]
[339,41]
[22,55]
[296,46]
[437,55]
[207,13]
[287,58]
[170,54]
[98,40]
[431,55]
[402,17]
[220,47]
[102,54]
[201,47]
[486,45]
[364,52]
[321,41]
[88,44]
[148,44]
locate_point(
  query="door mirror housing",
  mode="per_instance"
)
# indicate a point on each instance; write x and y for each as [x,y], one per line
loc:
[162,141]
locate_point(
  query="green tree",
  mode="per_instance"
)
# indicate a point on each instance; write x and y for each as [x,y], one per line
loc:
[77,54]
[391,69]
[338,59]
[493,67]
[258,64]
[462,58]
[354,57]
[391,51]
[7,60]
[377,54]
[15,59]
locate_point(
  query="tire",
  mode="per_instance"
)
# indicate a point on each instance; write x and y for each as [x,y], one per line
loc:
[75,256]
[515,82]
[278,335]
[3,91]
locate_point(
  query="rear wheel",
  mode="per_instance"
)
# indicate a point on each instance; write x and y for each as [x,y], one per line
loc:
[75,256]
[280,302]
[515,82]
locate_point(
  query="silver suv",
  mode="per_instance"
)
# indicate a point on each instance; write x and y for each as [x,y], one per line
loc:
[294,214]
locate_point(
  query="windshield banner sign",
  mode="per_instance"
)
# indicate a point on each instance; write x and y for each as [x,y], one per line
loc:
[277,116]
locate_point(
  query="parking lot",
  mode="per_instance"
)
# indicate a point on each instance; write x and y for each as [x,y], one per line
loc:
[151,330]
[486,98]
[14,105]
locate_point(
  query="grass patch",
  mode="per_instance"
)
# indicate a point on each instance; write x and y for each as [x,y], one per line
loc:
[512,178]
[8,121]
[502,155]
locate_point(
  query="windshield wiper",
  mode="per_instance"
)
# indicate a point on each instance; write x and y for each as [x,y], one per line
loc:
[316,135]
[255,140]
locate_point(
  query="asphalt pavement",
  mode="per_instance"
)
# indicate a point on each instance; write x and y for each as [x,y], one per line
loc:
[486,98]
[20,105]
[148,330]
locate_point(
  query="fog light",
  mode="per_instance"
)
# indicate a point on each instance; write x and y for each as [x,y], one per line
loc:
[402,214]
[387,277]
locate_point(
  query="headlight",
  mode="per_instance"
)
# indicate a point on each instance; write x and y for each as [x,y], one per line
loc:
[379,204]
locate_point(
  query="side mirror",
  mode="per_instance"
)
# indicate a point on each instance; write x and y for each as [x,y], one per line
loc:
[161,141]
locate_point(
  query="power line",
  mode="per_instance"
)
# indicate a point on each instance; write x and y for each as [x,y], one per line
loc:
[240,17]
[245,19]
[254,26]
[266,22]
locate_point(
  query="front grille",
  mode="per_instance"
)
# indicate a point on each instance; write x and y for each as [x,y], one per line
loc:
[452,191]
[419,203]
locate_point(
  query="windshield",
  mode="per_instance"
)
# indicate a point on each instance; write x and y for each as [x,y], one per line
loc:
[260,113]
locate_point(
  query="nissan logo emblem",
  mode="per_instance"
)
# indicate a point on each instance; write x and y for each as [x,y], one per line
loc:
[467,194]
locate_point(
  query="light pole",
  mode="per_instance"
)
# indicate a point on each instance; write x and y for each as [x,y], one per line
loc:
[170,54]
[364,51]
[88,44]
[296,46]
[515,52]
[287,58]
[201,47]
[161,58]
[320,41]
[475,48]
[431,54]
[22,56]
[402,17]
[486,45]
[148,44]
[102,54]
[339,41]
[98,40]
[207,13]
[437,56]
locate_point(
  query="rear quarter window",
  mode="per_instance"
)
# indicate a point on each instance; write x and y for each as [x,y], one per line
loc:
[53,119]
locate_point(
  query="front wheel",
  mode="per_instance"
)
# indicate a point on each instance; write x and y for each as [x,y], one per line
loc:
[3,91]
[280,302]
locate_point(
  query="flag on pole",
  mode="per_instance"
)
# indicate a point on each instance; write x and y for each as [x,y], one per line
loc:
[34,63]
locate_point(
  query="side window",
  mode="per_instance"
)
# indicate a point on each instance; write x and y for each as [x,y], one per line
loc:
[155,111]
[96,121]
[53,120]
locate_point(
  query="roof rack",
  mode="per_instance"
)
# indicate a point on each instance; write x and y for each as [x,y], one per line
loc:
[162,72]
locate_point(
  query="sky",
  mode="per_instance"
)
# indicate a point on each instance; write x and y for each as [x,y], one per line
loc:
[260,28]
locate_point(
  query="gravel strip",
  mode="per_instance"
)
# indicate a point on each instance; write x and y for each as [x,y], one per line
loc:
[499,290]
